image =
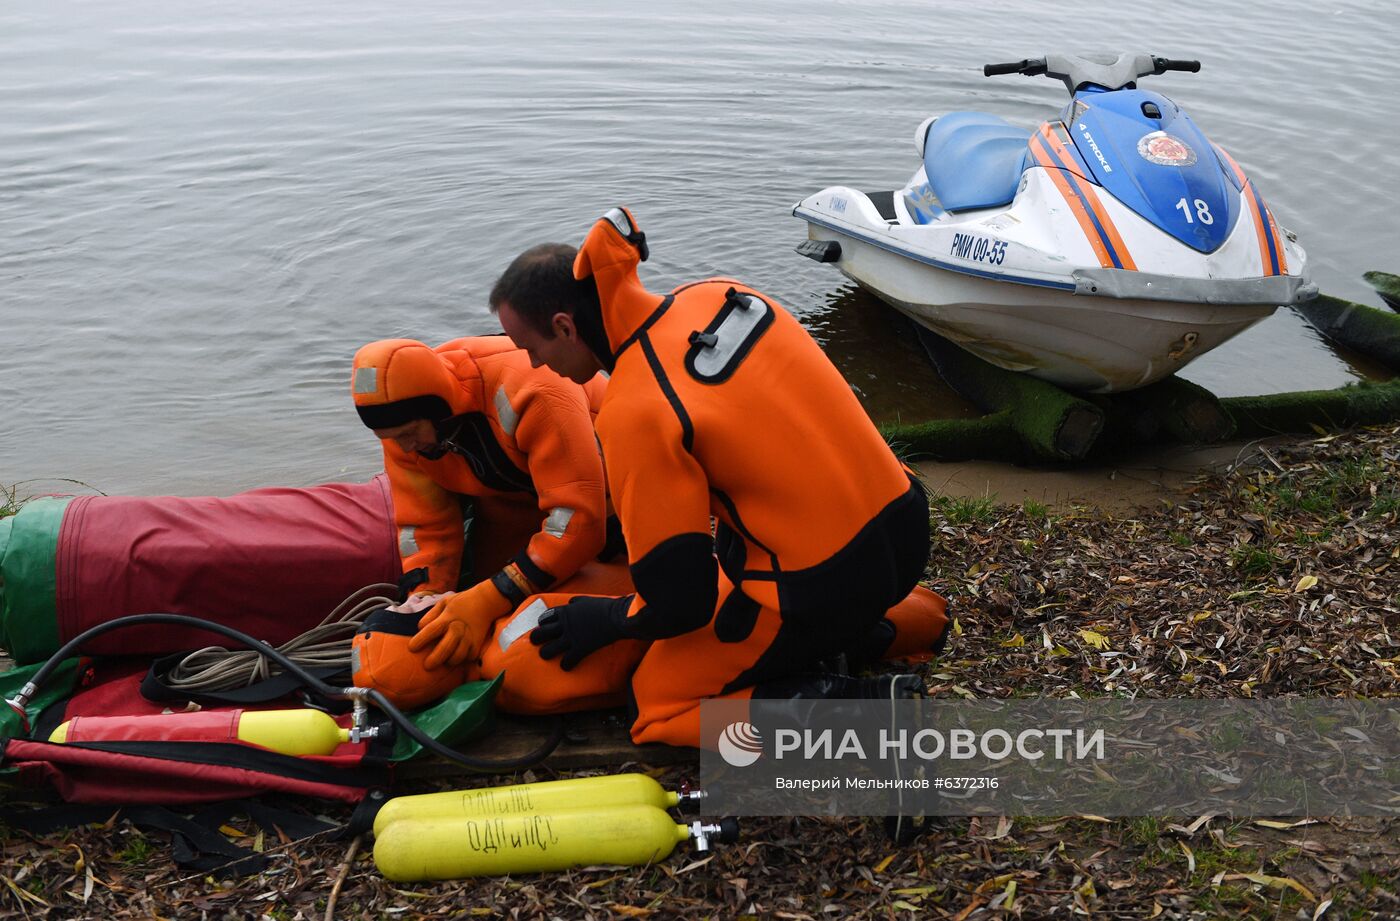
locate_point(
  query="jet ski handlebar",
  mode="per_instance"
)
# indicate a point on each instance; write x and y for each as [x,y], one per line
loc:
[1109,72]
[1031,67]
[1165,64]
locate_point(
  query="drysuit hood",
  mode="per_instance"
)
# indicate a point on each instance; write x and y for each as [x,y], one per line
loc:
[396,381]
[610,255]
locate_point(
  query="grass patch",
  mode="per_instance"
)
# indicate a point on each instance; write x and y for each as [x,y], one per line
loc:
[1037,512]
[903,450]
[1254,562]
[960,511]
[1145,831]
[1351,475]
[1332,490]
[1370,880]
[1384,504]
[1312,501]
[9,501]
[1210,861]
[138,850]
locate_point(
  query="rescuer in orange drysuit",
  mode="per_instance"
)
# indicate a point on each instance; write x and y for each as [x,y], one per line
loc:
[472,418]
[721,406]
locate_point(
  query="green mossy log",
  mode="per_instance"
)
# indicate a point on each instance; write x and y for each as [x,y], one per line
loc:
[1031,421]
[988,438]
[995,437]
[1387,286]
[1371,332]
[1187,413]
[1050,423]
[1315,410]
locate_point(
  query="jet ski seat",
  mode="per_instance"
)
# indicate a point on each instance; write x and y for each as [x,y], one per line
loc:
[974,160]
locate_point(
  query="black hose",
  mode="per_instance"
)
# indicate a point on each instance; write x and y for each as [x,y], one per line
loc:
[529,759]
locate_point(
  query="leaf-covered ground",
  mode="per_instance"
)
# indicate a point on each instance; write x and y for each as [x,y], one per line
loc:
[1278,577]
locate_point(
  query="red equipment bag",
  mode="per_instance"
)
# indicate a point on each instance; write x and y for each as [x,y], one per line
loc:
[270,562]
[176,773]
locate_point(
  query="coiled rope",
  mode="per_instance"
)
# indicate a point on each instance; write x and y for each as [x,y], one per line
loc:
[327,645]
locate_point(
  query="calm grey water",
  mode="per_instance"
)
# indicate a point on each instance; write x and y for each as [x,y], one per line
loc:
[206,207]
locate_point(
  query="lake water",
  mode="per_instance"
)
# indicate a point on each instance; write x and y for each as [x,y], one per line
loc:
[205,208]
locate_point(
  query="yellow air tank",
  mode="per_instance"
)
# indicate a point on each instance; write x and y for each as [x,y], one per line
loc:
[413,850]
[547,796]
[291,732]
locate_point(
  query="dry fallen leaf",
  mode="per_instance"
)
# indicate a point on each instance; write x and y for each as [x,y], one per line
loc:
[1097,640]
[1190,857]
[1274,882]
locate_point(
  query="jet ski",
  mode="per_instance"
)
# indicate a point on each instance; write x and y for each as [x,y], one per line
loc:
[1102,250]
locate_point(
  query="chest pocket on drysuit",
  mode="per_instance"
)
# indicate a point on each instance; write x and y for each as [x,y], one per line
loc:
[717,351]
[469,435]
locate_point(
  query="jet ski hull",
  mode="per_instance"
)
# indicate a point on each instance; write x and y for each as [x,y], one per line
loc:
[1021,287]
[1083,343]
[1102,250]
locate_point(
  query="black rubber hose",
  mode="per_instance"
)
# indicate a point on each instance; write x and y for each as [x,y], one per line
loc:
[332,692]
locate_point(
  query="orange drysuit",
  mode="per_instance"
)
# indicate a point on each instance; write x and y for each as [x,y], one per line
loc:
[721,406]
[519,441]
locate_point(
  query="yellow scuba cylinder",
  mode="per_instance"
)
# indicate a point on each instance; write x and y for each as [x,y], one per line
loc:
[413,850]
[291,732]
[546,796]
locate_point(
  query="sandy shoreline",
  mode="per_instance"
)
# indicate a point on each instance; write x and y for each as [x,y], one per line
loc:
[1131,483]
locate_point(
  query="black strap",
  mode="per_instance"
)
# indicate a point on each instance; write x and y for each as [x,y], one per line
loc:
[411,580]
[362,819]
[156,688]
[196,842]
[294,825]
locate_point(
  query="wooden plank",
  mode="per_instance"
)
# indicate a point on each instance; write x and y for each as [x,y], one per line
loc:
[594,739]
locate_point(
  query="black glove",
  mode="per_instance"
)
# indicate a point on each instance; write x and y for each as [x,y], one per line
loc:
[583,626]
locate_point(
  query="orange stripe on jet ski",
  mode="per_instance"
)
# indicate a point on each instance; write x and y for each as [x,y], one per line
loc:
[1270,251]
[1239,173]
[1274,235]
[1115,240]
[1260,230]
[1101,226]
[1271,255]
[1077,205]
[1038,153]
[1072,161]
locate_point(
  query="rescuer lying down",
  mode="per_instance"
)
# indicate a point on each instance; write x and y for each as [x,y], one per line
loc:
[721,407]
[472,420]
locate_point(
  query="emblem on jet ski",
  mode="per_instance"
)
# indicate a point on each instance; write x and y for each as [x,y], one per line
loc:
[1164,150]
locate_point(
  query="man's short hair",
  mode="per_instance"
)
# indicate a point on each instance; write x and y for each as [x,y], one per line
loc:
[540,283]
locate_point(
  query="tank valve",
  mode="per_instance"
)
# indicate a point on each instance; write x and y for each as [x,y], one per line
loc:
[20,701]
[725,832]
[359,714]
